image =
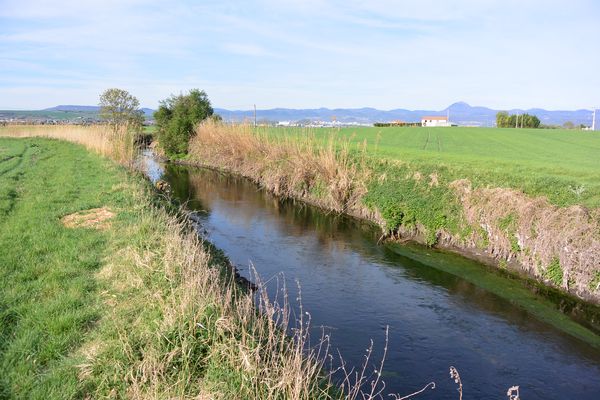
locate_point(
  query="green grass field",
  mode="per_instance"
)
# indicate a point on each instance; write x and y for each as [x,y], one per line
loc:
[49,296]
[47,114]
[563,165]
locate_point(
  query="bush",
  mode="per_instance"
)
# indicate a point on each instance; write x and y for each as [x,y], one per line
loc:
[177,118]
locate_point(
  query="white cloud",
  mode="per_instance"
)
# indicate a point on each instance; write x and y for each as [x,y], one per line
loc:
[381,53]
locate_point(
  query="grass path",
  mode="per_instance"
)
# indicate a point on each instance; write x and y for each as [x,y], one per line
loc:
[49,296]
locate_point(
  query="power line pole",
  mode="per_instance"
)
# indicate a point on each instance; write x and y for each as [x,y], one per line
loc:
[522,119]
[255,115]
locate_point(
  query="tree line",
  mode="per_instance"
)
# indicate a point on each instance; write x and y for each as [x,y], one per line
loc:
[506,120]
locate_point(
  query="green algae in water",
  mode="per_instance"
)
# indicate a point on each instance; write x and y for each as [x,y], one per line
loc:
[544,303]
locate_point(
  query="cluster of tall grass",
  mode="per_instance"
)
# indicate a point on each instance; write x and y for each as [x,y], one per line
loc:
[323,171]
[114,142]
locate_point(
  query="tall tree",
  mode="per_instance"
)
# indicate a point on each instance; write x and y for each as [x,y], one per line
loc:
[502,119]
[119,108]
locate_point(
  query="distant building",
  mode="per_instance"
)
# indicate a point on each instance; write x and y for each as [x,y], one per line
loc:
[435,121]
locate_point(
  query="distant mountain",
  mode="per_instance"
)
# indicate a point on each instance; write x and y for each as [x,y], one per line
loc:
[460,113]
[73,108]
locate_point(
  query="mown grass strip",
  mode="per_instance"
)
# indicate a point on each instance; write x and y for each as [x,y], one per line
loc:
[49,294]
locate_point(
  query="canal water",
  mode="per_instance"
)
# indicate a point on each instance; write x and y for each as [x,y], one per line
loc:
[354,289]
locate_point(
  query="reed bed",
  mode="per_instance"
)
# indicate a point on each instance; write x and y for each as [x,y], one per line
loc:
[115,143]
[326,171]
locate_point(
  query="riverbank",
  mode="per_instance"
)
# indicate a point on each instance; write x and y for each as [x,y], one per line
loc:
[557,246]
[106,292]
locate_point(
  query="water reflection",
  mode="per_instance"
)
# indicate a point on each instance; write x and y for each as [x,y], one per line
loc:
[357,288]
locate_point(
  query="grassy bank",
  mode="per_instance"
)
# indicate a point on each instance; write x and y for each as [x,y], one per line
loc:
[477,202]
[562,165]
[105,293]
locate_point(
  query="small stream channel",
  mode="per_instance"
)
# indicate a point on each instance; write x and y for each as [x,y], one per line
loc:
[355,288]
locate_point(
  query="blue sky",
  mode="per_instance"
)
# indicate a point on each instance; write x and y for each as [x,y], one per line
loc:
[303,54]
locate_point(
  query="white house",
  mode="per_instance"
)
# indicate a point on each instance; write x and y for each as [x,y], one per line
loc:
[435,121]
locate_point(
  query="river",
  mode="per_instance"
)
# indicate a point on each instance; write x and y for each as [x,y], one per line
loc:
[354,289]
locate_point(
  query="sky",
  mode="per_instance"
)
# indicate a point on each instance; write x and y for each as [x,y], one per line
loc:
[415,54]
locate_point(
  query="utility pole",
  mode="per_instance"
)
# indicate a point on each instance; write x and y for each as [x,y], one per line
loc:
[522,119]
[255,115]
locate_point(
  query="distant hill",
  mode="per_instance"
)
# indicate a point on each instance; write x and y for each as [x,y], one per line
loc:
[73,108]
[94,109]
[460,113]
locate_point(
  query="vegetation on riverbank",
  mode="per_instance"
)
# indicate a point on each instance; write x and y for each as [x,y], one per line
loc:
[455,200]
[131,306]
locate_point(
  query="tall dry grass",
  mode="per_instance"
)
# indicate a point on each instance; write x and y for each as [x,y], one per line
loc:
[117,144]
[319,170]
[195,332]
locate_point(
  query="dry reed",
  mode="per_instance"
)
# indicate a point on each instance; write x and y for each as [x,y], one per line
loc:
[117,144]
[318,170]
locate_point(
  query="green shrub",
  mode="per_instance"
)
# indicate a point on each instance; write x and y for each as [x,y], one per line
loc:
[177,117]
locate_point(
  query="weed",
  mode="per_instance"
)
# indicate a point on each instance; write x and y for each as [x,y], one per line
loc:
[554,272]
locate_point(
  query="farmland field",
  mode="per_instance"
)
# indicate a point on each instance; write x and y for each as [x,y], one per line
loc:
[563,165]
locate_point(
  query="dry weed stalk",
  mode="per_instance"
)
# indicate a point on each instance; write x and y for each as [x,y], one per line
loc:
[430,385]
[513,393]
[320,170]
[456,376]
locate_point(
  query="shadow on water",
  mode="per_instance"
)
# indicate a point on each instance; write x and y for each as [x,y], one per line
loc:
[442,309]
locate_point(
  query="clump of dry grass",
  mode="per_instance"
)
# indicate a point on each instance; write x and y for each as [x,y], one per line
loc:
[115,143]
[318,170]
[96,218]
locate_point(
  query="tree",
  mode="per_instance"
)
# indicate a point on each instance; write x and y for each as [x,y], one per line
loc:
[177,118]
[502,119]
[119,108]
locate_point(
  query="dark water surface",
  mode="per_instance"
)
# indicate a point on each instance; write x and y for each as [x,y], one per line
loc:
[355,289]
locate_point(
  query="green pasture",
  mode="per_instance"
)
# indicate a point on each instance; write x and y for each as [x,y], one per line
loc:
[563,165]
